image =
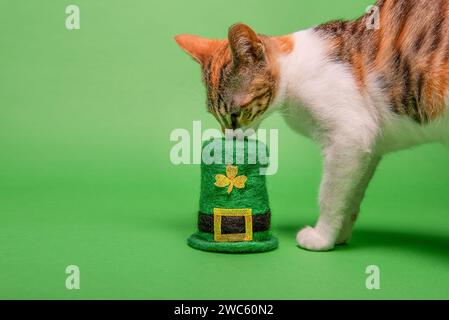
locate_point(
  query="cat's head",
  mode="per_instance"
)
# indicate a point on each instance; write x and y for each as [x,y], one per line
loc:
[240,74]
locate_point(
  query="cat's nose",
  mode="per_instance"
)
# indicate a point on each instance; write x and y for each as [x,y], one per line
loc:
[235,119]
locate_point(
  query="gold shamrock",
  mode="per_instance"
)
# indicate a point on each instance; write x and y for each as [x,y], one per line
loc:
[231,179]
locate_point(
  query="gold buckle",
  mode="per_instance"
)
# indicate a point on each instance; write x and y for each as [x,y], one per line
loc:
[234,237]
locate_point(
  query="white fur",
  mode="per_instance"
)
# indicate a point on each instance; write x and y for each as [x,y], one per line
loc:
[321,100]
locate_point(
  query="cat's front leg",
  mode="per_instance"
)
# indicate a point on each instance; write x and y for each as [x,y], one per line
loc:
[354,209]
[345,167]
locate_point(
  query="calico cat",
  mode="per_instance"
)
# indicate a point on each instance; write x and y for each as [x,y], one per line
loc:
[358,91]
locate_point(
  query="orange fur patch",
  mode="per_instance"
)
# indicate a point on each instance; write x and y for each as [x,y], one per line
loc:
[197,47]
[285,43]
[408,53]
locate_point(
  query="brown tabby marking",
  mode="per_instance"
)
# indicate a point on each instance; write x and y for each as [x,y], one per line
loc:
[241,73]
[220,74]
[410,52]
[213,74]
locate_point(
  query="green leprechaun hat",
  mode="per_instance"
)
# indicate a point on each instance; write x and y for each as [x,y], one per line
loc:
[234,213]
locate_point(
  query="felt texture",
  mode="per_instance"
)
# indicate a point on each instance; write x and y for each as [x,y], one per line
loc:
[262,242]
[234,181]
[253,195]
[261,222]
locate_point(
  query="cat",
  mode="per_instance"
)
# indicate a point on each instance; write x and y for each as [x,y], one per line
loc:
[359,91]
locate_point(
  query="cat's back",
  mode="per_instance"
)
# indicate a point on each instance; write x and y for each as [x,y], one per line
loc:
[404,46]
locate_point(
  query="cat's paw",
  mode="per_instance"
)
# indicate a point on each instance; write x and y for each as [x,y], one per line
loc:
[309,238]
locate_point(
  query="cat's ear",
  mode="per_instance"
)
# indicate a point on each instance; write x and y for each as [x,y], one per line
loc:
[197,47]
[245,45]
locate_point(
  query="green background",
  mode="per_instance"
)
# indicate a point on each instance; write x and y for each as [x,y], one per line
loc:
[85,175]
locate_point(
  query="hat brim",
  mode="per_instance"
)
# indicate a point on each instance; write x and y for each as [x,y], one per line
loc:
[196,241]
